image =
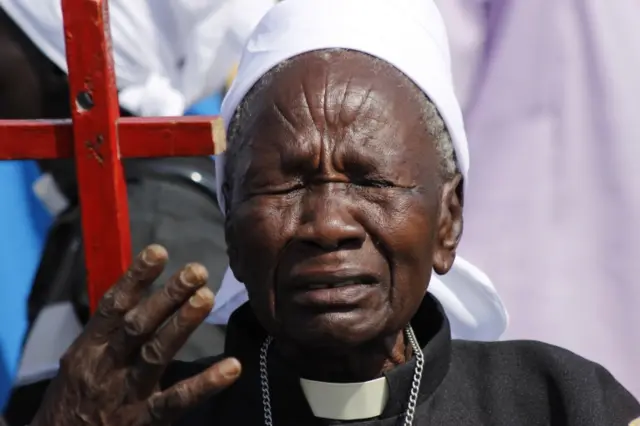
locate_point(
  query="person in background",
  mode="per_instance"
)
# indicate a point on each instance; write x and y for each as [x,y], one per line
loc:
[168,55]
[548,89]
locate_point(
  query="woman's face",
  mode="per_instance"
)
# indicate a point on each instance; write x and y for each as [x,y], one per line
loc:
[337,210]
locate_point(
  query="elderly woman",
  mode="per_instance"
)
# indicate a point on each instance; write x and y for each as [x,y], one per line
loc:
[344,184]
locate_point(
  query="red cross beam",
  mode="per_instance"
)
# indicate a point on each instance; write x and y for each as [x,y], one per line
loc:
[97,137]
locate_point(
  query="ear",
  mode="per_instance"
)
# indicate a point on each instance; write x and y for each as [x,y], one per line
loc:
[450,225]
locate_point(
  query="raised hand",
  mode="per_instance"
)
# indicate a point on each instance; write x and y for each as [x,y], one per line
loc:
[109,376]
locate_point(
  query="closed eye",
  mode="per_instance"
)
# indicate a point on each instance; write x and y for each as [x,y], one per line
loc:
[376,183]
[379,183]
[277,190]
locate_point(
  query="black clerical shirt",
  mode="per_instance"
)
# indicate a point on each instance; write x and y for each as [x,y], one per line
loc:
[515,383]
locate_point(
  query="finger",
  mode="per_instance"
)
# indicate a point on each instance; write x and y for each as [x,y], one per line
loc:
[175,401]
[158,352]
[128,291]
[142,321]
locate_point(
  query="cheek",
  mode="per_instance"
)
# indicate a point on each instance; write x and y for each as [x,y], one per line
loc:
[259,229]
[405,229]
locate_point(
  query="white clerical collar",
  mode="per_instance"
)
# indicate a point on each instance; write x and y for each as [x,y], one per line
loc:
[346,401]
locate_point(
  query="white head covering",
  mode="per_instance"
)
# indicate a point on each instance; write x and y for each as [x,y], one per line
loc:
[168,53]
[410,35]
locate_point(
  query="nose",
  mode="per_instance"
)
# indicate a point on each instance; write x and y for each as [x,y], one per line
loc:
[327,222]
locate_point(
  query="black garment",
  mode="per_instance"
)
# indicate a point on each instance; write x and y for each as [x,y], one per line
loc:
[190,225]
[518,383]
[162,210]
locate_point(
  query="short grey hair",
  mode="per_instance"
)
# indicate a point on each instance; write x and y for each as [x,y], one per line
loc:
[432,120]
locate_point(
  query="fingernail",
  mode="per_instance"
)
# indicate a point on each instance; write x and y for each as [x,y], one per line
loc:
[153,254]
[194,274]
[202,297]
[230,368]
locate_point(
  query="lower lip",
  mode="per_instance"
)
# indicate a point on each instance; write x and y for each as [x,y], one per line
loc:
[334,296]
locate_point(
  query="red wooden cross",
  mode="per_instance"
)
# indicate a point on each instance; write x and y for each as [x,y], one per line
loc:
[97,137]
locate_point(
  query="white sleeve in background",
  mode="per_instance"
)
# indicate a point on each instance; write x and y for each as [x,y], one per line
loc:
[213,35]
[168,53]
[144,36]
[143,54]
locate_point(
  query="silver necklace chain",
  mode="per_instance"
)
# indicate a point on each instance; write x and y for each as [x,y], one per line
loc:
[413,394]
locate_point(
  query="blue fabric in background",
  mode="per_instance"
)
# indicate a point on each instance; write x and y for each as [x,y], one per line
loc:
[23,228]
[208,106]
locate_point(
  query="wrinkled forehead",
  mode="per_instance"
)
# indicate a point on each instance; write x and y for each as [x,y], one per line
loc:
[330,90]
[342,111]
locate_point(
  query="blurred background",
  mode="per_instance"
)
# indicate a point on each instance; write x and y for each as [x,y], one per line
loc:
[548,90]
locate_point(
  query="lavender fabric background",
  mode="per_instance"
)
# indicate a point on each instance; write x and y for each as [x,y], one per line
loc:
[551,94]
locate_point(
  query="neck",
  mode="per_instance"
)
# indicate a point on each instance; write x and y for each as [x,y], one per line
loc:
[361,363]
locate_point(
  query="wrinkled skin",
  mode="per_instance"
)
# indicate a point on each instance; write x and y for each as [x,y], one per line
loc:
[335,180]
[339,177]
[109,376]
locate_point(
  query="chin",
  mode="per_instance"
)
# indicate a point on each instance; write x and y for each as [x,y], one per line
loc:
[337,330]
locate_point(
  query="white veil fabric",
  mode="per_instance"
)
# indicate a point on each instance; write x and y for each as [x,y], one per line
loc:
[410,35]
